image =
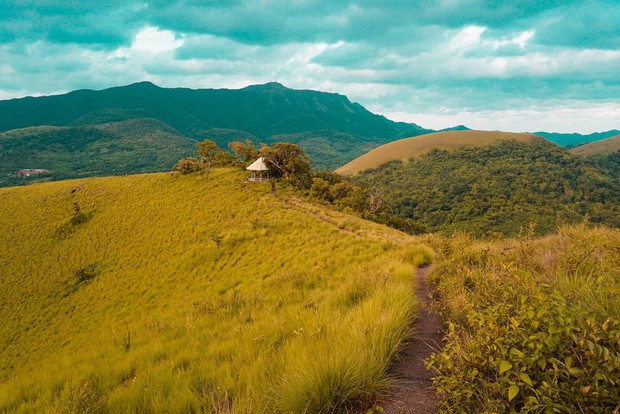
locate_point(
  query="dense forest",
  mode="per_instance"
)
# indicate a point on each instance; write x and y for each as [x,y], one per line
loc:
[500,190]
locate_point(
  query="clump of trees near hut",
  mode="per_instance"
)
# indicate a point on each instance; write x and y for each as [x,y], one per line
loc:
[289,165]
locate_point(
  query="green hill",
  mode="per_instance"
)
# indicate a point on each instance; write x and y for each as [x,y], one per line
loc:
[171,293]
[322,123]
[136,145]
[499,189]
[415,146]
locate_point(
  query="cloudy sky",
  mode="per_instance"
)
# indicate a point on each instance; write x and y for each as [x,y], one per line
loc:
[523,65]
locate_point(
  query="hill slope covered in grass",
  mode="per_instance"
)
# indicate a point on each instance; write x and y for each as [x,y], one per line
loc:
[415,146]
[500,189]
[604,146]
[170,293]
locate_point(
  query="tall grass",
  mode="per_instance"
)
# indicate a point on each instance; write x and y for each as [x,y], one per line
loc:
[533,324]
[193,294]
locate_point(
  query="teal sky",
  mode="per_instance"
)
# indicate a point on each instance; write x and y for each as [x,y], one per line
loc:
[525,65]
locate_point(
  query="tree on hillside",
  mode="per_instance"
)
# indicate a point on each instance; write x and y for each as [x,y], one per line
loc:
[210,156]
[187,166]
[244,152]
[288,161]
[209,153]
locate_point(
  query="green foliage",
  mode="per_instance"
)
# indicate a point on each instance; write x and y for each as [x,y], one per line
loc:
[134,146]
[346,195]
[609,163]
[533,325]
[210,155]
[187,166]
[289,162]
[245,152]
[207,296]
[500,189]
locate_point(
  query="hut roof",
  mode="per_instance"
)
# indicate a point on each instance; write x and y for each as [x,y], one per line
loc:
[258,165]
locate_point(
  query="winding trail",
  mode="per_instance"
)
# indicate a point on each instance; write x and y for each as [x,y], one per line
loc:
[414,392]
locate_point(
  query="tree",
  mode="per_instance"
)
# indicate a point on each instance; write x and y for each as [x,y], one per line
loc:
[187,166]
[208,151]
[288,161]
[244,152]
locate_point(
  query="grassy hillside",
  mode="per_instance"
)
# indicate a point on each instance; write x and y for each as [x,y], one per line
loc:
[533,324]
[170,293]
[136,145]
[500,189]
[604,146]
[407,148]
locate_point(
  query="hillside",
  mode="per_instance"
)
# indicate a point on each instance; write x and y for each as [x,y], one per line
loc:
[407,148]
[604,146]
[170,293]
[497,190]
[136,145]
[573,139]
[322,123]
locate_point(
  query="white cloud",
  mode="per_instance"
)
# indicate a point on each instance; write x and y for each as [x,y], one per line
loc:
[572,117]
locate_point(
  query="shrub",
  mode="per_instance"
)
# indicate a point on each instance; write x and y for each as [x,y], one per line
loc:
[187,166]
[86,274]
[520,338]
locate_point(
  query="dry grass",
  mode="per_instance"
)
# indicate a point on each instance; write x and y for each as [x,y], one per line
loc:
[407,148]
[191,294]
[603,146]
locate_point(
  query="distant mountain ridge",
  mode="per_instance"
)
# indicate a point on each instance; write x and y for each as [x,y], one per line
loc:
[331,128]
[328,126]
[574,139]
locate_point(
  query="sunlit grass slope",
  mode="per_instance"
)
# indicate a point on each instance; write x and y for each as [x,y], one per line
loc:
[171,293]
[407,148]
[603,146]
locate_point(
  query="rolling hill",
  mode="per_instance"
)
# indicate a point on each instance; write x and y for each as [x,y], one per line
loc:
[407,148]
[604,146]
[328,126]
[489,185]
[171,293]
[605,154]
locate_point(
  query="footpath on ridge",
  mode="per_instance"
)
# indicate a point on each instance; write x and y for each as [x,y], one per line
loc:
[414,392]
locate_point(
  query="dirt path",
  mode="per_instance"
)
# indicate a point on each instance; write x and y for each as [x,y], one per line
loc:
[413,392]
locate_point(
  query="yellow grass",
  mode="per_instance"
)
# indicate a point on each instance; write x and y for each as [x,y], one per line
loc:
[198,295]
[603,146]
[407,148]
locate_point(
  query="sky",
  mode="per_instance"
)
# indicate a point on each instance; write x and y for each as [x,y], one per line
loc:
[523,65]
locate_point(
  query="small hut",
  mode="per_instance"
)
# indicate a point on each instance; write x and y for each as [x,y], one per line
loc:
[258,166]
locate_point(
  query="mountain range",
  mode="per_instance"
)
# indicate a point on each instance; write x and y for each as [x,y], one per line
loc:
[143,128]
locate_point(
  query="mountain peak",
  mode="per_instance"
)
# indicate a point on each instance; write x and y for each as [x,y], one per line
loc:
[143,84]
[269,86]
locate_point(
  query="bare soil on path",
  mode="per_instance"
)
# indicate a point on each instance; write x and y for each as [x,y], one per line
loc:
[413,391]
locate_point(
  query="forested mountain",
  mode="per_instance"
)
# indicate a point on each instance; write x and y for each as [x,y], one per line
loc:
[332,129]
[500,189]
